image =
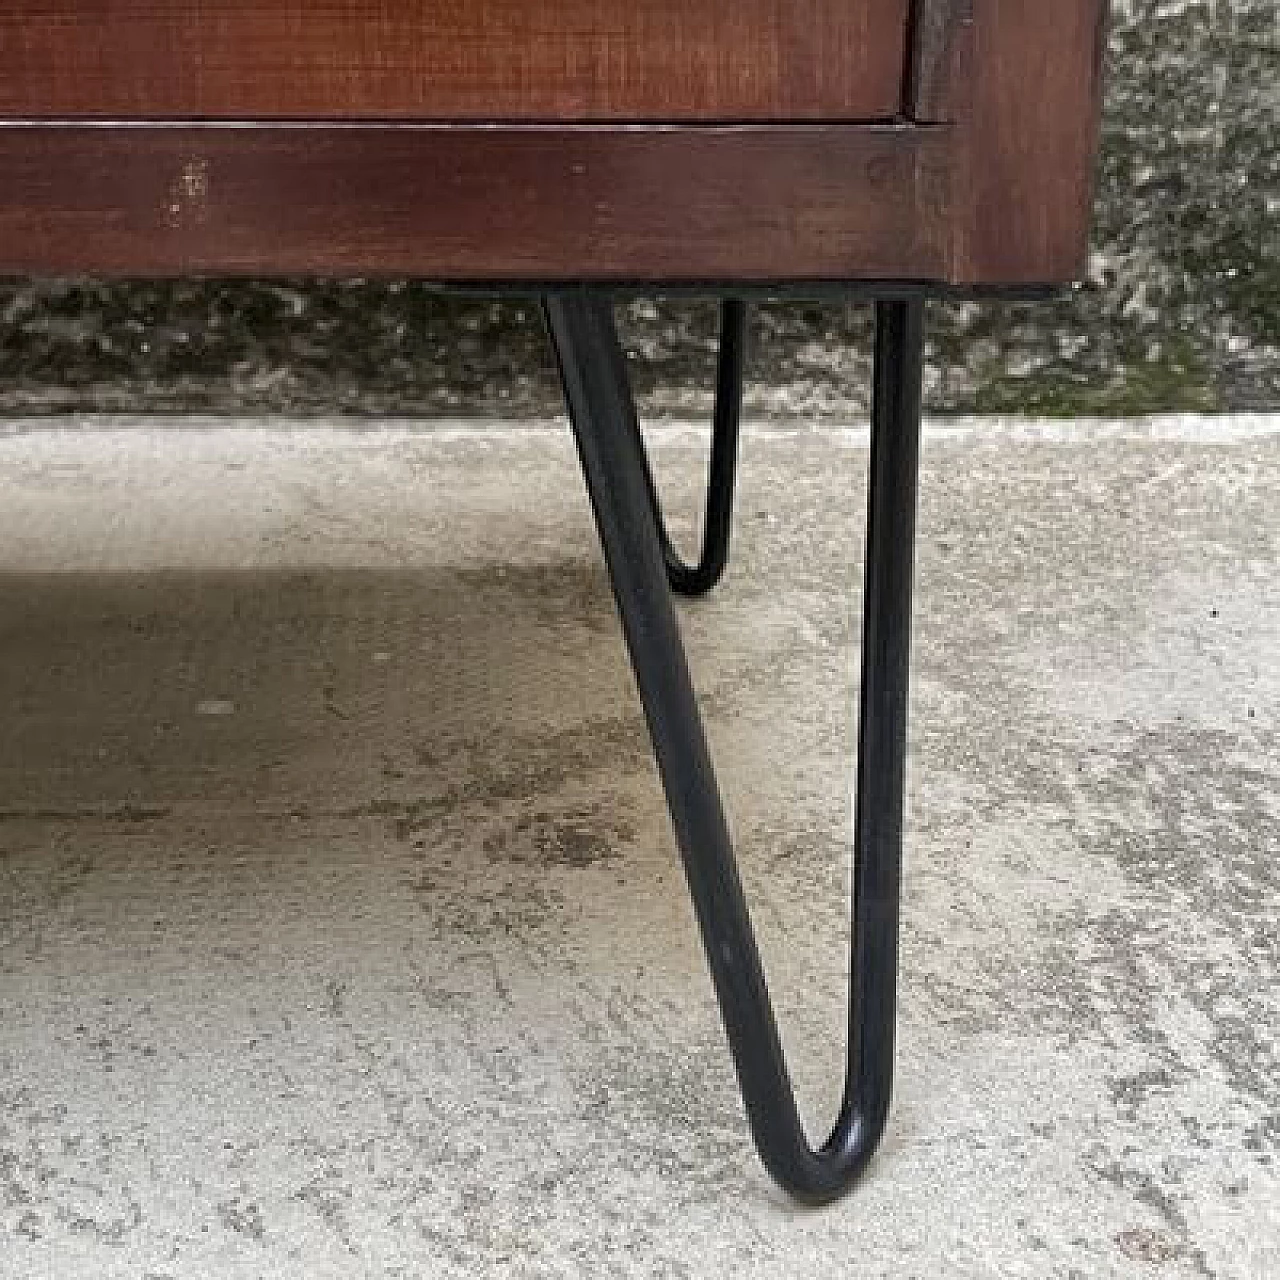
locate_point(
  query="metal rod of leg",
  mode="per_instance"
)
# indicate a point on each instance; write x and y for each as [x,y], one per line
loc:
[611,453]
[699,578]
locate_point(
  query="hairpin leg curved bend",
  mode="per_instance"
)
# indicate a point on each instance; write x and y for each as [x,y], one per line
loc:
[611,453]
[701,577]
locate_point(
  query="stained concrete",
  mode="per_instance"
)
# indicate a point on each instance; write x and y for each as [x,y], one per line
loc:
[342,934]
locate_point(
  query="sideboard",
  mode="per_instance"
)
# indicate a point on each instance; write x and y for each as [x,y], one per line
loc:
[896,150]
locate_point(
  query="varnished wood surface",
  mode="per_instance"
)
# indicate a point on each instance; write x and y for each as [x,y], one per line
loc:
[454,59]
[1023,173]
[998,192]
[700,203]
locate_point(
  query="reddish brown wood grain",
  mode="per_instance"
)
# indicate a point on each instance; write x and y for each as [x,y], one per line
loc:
[698,203]
[999,197]
[454,59]
[1023,172]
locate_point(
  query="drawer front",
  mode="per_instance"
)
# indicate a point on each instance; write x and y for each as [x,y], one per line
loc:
[501,60]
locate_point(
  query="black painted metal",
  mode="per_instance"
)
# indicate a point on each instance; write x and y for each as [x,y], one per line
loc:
[699,578]
[612,456]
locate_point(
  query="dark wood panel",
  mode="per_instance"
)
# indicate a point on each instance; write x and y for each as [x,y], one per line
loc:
[941,32]
[465,60]
[477,203]
[1023,181]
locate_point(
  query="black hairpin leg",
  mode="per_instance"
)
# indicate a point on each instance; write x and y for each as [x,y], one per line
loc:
[699,578]
[604,421]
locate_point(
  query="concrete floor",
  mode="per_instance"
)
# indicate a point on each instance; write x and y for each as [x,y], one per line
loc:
[341,931]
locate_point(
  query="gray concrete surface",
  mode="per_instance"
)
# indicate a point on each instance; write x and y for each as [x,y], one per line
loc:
[341,932]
